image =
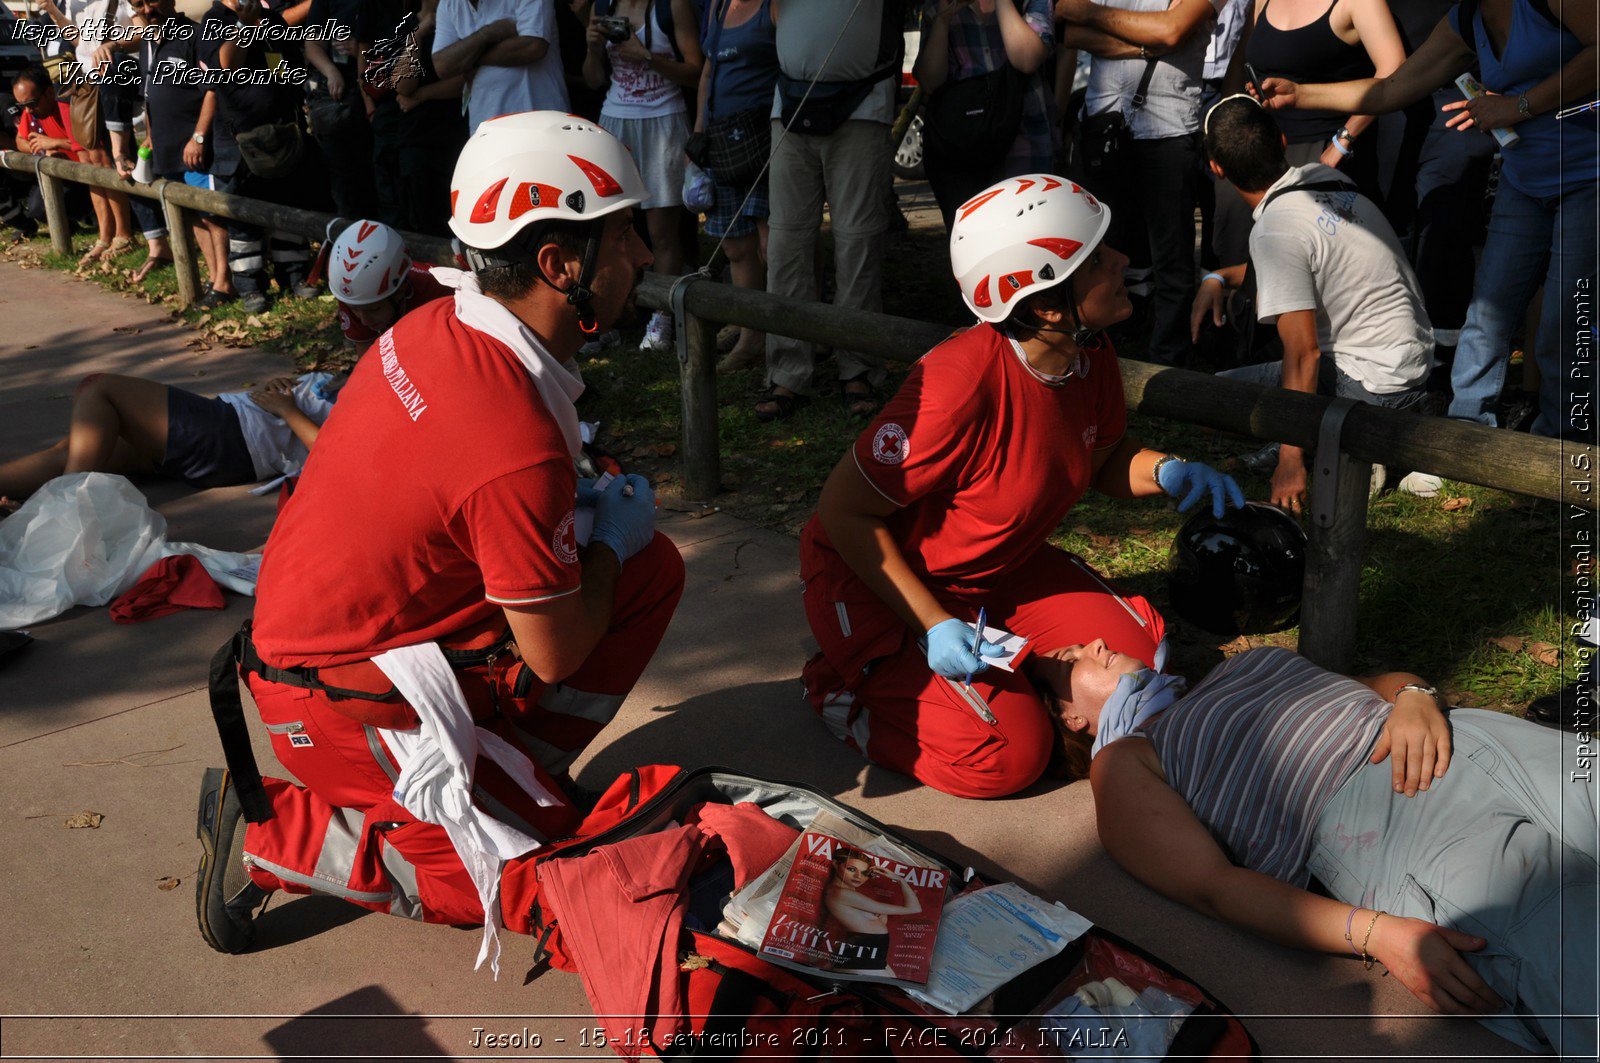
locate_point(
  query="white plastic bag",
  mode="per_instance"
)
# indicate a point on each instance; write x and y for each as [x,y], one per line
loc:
[85,539]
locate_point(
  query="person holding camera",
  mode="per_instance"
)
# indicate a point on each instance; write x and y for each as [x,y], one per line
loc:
[645,53]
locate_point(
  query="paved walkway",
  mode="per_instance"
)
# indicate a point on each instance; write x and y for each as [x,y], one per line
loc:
[100,962]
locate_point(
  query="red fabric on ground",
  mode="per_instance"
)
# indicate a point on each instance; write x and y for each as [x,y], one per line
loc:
[171,585]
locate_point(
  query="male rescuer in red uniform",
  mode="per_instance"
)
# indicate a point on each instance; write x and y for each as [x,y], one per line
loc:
[442,506]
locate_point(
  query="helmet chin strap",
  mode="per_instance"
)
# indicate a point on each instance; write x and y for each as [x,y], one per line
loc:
[580,296]
[1086,338]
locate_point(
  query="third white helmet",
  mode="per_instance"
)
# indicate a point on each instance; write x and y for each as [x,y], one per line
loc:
[368,264]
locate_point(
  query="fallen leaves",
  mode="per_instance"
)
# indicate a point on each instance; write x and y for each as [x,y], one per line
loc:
[84,821]
[1542,652]
[1450,505]
[167,882]
[132,330]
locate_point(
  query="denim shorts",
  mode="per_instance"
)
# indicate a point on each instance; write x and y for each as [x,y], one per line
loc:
[205,446]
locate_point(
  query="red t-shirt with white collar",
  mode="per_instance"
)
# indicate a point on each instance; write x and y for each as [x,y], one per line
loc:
[440,489]
[57,126]
[983,457]
[417,289]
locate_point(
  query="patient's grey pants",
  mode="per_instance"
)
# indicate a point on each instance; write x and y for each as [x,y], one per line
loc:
[1503,848]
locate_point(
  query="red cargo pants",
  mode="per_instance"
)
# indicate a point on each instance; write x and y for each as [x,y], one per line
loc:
[342,832]
[901,715]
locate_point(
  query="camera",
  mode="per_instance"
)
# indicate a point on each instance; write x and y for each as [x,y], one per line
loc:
[614,28]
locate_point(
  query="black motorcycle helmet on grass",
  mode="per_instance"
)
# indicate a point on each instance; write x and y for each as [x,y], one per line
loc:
[1240,573]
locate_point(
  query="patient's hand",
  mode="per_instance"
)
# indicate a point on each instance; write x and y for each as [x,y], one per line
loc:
[1427,959]
[1416,739]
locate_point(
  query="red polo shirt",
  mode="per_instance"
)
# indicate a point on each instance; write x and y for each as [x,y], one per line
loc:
[57,125]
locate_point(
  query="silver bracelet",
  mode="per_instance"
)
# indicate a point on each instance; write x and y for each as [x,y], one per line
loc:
[1155,470]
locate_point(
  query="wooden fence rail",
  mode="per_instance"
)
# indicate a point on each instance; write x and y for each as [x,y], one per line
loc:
[1346,437]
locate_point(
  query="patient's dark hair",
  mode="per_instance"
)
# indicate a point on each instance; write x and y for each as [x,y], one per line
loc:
[1242,138]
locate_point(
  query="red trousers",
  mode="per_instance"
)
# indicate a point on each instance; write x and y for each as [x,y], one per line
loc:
[901,715]
[342,832]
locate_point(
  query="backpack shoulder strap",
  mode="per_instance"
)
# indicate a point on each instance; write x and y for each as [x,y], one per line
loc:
[1309,186]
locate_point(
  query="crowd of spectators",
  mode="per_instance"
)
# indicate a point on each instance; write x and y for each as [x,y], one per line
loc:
[762,115]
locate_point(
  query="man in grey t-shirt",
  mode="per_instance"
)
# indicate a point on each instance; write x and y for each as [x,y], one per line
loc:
[1329,273]
[1153,191]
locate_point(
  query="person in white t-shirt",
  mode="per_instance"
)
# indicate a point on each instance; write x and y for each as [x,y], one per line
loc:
[1329,273]
[132,426]
[506,49]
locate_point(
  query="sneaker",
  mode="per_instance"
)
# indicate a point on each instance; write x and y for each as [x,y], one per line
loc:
[658,335]
[603,343]
[1421,484]
[1380,476]
[253,302]
[1264,460]
[307,291]
[226,900]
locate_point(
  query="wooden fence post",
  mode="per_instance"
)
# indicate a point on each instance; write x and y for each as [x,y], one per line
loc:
[697,358]
[54,191]
[1332,590]
[185,254]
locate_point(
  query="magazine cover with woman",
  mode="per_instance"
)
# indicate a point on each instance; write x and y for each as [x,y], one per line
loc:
[850,912]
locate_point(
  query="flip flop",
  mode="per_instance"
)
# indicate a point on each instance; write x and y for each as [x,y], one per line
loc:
[150,264]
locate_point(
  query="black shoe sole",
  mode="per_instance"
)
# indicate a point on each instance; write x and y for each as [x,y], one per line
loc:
[219,930]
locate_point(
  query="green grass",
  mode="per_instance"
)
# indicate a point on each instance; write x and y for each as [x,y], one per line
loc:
[1437,586]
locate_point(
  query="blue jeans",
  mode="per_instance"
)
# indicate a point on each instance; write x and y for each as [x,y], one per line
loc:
[1331,380]
[1531,239]
[1502,848]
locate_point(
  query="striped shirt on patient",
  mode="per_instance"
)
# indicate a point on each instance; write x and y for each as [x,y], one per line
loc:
[1259,748]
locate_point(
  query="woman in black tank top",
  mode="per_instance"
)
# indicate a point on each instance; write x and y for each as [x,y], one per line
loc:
[1347,36]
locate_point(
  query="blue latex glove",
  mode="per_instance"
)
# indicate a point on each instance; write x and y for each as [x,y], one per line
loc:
[950,650]
[1190,481]
[624,523]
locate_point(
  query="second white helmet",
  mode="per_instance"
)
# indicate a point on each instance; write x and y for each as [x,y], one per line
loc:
[1022,236]
[368,264]
[534,166]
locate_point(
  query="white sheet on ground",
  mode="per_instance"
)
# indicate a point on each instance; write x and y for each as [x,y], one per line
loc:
[86,538]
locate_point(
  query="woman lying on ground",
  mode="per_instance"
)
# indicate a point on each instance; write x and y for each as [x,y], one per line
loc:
[128,425]
[1234,796]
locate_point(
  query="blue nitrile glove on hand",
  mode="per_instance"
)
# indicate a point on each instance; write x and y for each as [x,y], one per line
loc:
[1191,481]
[624,522]
[950,650]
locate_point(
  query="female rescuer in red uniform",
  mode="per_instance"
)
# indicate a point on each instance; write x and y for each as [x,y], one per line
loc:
[943,505]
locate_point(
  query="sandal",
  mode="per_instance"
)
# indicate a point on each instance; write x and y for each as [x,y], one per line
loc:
[118,247]
[150,265]
[860,396]
[785,405]
[95,253]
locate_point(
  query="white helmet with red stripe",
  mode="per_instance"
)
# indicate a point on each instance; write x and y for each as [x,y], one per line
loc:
[368,264]
[1022,236]
[535,166]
